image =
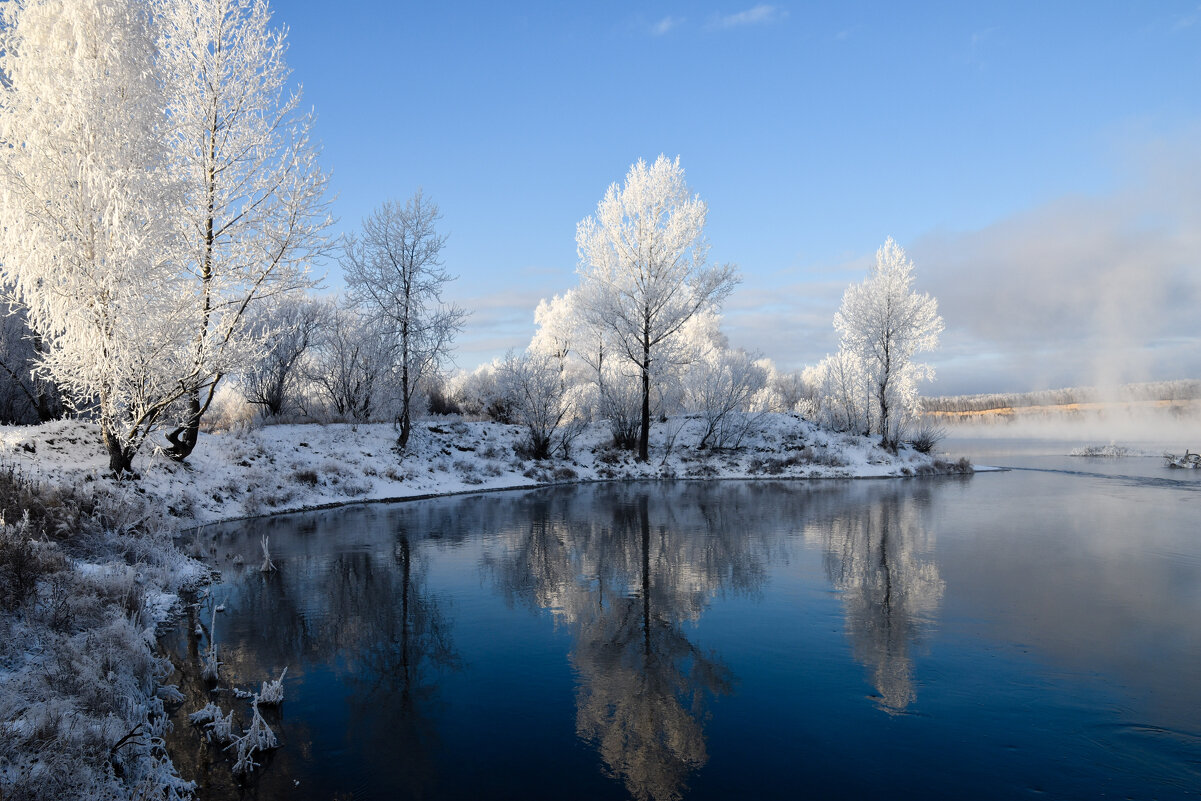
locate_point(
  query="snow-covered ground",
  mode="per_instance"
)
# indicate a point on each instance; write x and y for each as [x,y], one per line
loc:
[291,467]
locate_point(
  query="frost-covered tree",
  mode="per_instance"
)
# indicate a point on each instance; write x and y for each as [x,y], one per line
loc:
[25,397]
[532,383]
[558,324]
[841,394]
[292,326]
[883,323]
[643,267]
[254,208]
[394,271]
[721,388]
[87,210]
[350,365]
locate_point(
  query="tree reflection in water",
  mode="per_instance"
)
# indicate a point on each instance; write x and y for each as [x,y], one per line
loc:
[626,570]
[369,610]
[624,574]
[877,556]
[395,668]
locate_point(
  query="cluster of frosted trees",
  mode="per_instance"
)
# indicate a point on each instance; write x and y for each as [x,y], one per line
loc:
[159,185]
[870,385]
[1148,391]
[161,202]
[374,354]
[638,341]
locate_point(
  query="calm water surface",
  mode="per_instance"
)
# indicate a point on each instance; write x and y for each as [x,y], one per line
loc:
[1032,632]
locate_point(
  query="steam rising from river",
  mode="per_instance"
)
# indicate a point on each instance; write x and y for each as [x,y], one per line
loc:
[1083,291]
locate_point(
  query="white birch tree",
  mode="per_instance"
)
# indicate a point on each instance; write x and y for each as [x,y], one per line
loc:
[254,210]
[86,232]
[643,268]
[883,323]
[393,269]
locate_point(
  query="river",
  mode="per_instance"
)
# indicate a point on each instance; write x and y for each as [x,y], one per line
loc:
[1030,631]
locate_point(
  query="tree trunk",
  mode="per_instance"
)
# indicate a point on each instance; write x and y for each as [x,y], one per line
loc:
[183,439]
[884,414]
[406,421]
[120,458]
[644,436]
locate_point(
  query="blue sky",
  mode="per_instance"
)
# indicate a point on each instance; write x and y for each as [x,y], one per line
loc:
[977,134]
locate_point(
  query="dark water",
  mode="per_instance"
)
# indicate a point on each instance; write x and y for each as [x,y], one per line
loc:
[1028,633]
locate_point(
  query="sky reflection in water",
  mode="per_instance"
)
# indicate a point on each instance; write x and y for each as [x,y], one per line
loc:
[973,637]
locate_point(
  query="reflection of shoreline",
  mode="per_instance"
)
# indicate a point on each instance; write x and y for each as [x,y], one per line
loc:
[876,556]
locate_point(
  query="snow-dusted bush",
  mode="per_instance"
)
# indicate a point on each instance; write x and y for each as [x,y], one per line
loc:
[842,395]
[534,388]
[218,724]
[82,716]
[350,368]
[272,692]
[619,401]
[721,388]
[24,563]
[259,737]
[480,395]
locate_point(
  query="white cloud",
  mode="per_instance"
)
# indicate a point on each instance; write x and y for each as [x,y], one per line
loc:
[666,25]
[1187,20]
[1084,290]
[761,14]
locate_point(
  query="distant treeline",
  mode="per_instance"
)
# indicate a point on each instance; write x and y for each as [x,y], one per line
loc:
[1126,393]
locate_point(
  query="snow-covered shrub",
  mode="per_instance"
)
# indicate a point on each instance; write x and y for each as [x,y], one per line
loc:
[536,392]
[842,394]
[305,475]
[349,481]
[720,388]
[272,692]
[480,395]
[84,705]
[927,438]
[217,723]
[619,402]
[24,562]
[467,471]
[259,737]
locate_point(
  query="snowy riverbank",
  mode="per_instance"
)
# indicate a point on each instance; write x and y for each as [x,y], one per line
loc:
[283,468]
[88,566]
